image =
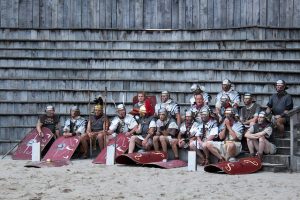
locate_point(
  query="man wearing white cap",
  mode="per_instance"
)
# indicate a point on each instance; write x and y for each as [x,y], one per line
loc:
[231,134]
[279,104]
[76,125]
[249,113]
[170,105]
[225,103]
[49,120]
[122,123]
[259,137]
[197,89]
[233,95]
[166,133]
[208,130]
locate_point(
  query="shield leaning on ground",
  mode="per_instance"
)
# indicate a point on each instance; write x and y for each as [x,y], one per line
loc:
[150,159]
[242,166]
[141,158]
[24,150]
[122,144]
[59,153]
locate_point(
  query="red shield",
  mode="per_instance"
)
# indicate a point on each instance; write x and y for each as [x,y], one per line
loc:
[62,149]
[122,144]
[24,149]
[168,165]
[141,158]
[242,166]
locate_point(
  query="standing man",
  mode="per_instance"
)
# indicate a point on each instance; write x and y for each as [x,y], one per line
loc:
[279,104]
[49,120]
[259,137]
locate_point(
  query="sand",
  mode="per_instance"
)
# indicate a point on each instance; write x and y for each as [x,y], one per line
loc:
[84,180]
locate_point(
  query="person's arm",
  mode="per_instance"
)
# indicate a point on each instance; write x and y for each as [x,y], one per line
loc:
[249,133]
[57,130]
[88,129]
[230,130]
[39,128]
[222,133]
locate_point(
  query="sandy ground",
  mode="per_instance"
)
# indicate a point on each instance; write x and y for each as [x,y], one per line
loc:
[84,180]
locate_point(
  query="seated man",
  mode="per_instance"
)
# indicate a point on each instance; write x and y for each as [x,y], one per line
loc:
[172,108]
[188,130]
[76,125]
[198,105]
[259,137]
[249,113]
[225,103]
[141,100]
[49,120]
[166,133]
[145,131]
[231,134]
[97,125]
[122,123]
[279,104]
[197,89]
[207,132]
[233,95]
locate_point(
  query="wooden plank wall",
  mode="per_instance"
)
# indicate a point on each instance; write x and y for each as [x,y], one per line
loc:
[153,14]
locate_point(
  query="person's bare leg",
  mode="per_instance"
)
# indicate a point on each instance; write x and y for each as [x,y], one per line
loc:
[83,140]
[174,148]
[251,147]
[156,143]
[163,142]
[231,150]
[214,151]
[280,126]
[100,139]
[132,144]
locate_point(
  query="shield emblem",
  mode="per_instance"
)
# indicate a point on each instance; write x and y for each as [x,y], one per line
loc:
[122,144]
[24,150]
[242,166]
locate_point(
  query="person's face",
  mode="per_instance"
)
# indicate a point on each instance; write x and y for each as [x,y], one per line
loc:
[162,117]
[225,87]
[260,120]
[73,113]
[228,115]
[122,113]
[189,119]
[98,112]
[205,117]
[247,101]
[280,88]
[141,97]
[164,98]
[50,113]
[199,99]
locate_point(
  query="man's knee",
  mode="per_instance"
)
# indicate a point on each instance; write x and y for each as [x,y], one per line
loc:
[133,138]
[155,138]
[162,138]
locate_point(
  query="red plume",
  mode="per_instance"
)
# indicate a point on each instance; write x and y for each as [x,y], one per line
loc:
[149,107]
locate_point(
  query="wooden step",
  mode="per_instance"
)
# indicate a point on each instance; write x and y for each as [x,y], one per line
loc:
[269,167]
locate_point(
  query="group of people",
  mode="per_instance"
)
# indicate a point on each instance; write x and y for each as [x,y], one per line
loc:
[218,131]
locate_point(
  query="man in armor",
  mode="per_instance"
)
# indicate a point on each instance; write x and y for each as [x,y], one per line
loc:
[49,120]
[97,125]
[249,113]
[122,123]
[188,130]
[225,103]
[259,137]
[76,125]
[208,130]
[172,108]
[145,130]
[166,133]
[231,133]
[197,89]
[279,105]
[233,95]
[198,105]
[141,100]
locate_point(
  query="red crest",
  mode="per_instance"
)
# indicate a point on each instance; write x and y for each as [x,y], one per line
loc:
[24,149]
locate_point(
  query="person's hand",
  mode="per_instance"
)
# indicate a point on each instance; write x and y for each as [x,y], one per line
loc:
[277,116]
[144,142]
[41,134]
[66,135]
[128,134]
